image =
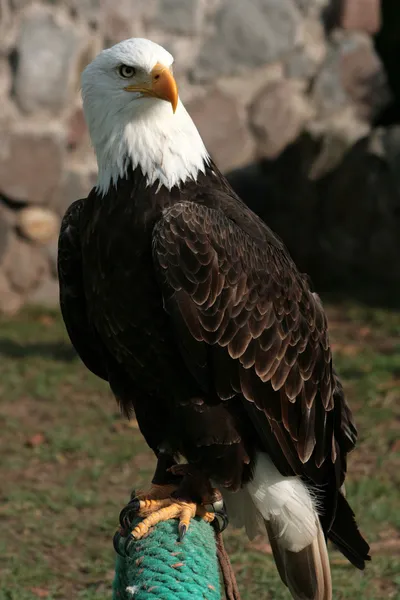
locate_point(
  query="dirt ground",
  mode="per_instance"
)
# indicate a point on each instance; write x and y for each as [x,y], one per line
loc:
[68,462]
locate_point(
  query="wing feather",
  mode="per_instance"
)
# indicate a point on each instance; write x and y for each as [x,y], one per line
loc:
[72,297]
[266,330]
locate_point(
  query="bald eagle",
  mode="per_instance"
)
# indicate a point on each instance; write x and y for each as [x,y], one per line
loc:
[180,297]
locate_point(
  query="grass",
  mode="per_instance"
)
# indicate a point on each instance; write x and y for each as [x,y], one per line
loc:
[68,462]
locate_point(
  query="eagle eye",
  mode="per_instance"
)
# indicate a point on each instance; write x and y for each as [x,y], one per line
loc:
[126,71]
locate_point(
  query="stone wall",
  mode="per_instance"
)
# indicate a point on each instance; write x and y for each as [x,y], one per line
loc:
[260,77]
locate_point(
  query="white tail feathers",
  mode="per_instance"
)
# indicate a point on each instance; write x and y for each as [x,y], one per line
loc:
[286,502]
[243,513]
[290,513]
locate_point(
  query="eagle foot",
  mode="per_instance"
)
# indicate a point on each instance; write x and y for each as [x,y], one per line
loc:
[169,509]
[193,497]
[157,511]
[144,501]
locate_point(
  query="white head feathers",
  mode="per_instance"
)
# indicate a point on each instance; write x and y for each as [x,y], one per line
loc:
[131,121]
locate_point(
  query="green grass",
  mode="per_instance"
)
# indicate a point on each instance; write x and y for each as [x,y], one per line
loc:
[68,462]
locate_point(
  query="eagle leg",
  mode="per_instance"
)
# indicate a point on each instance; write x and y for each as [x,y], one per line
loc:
[163,484]
[197,487]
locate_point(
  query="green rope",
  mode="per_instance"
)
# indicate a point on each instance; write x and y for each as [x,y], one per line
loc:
[159,567]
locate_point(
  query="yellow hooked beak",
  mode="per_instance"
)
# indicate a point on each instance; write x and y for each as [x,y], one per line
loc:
[160,85]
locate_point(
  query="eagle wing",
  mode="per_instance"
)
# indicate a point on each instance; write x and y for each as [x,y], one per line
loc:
[72,295]
[83,334]
[249,326]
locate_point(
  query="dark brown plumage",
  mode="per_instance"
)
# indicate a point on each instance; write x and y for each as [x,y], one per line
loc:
[194,312]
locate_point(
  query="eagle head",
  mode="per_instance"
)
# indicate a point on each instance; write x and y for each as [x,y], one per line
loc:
[136,119]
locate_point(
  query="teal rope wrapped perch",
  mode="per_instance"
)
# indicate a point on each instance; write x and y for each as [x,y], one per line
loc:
[159,567]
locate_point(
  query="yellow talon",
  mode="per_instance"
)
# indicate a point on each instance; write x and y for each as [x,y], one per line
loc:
[159,505]
[149,506]
[156,511]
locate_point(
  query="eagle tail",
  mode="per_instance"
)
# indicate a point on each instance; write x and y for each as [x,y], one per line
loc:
[291,518]
[289,512]
[307,572]
[345,535]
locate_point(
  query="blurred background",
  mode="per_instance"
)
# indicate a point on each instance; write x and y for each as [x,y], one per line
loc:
[298,102]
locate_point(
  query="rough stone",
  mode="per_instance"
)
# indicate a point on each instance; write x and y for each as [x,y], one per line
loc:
[276,79]
[227,140]
[7,25]
[5,232]
[299,65]
[313,7]
[251,186]
[361,15]
[10,300]
[48,48]
[9,113]
[5,79]
[289,198]
[350,218]
[78,180]
[31,163]
[89,10]
[277,117]
[352,72]
[38,224]
[77,131]
[51,251]
[364,79]
[390,142]
[185,49]
[304,62]
[211,7]
[328,93]
[248,35]
[18,5]
[181,16]
[8,214]
[361,217]
[337,134]
[46,294]
[24,265]
[126,18]
[189,91]
[244,88]
[376,144]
